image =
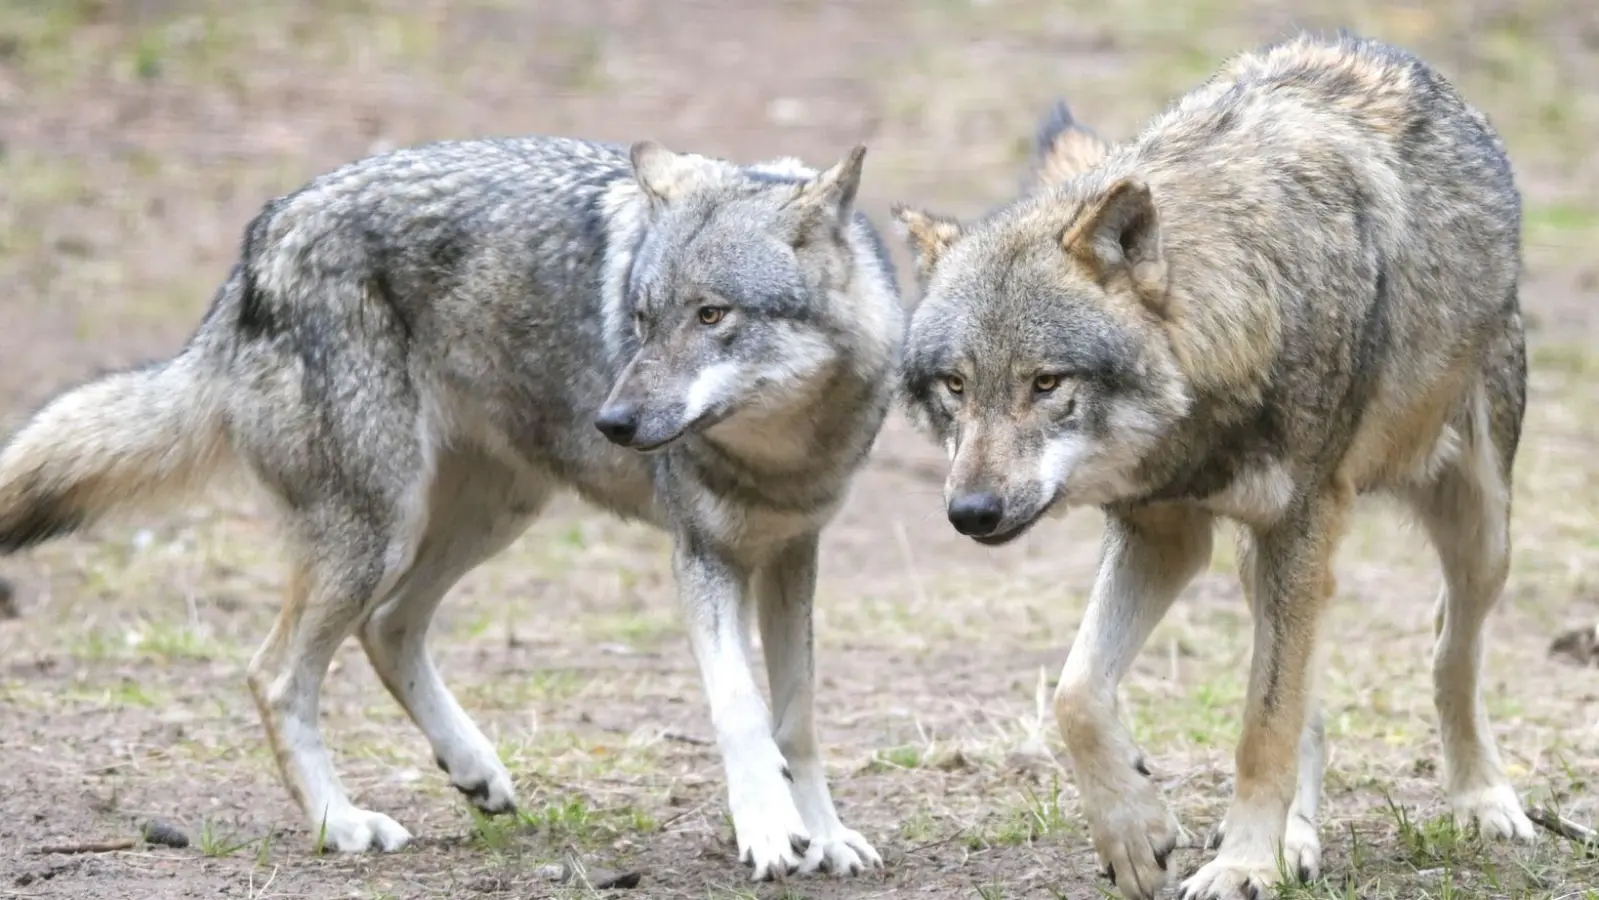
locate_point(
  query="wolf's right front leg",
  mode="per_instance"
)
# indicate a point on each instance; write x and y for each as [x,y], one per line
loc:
[714,590]
[1149,556]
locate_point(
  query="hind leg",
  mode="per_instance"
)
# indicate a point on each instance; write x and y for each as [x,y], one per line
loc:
[477,508]
[1466,512]
[342,567]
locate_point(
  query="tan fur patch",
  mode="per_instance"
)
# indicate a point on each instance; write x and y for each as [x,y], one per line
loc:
[929,235]
[1072,153]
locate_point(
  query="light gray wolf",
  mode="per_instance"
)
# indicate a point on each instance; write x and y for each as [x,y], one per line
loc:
[1295,286]
[416,350]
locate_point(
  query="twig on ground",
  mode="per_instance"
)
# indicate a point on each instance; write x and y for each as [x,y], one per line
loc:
[938,843]
[683,738]
[1564,827]
[88,847]
[667,735]
[673,818]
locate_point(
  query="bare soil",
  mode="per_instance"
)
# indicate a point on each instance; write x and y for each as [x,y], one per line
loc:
[136,140]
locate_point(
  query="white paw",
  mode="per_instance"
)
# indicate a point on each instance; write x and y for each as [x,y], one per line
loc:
[1134,834]
[1495,811]
[840,851]
[352,830]
[772,852]
[1302,849]
[1233,877]
[483,779]
[772,838]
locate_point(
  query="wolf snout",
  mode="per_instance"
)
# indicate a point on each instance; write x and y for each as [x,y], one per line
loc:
[618,422]
[976,514]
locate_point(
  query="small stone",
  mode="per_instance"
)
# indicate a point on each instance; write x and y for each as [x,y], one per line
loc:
[164,833]
[1579,646]
[605,880]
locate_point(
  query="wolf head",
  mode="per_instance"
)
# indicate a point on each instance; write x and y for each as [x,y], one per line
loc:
[736,292]
[1038,355]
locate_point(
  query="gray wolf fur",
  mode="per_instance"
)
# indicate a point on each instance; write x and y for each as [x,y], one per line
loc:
[1296,286]
[415,351]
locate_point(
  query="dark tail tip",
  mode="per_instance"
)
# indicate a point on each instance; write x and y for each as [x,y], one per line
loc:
[39,521]
[1057,122]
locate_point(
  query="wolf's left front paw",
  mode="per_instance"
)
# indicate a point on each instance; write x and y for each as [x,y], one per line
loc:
[772,839]
[1230,877]
[774,855]
[1495,811]
[841,851]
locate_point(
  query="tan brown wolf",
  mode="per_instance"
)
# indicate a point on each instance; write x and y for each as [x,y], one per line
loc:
[1296,286]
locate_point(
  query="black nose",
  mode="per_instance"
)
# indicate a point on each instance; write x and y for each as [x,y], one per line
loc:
[619,423]
[976,515]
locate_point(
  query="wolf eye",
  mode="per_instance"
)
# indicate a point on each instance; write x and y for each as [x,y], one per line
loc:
[954,384]
[1046,383]
[710,315]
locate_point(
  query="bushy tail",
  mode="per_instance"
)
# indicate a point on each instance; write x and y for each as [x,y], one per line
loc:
[1064,149]
[116,443]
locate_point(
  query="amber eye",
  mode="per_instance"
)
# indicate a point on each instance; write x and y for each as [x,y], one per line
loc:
[710,315]
[954,384]
[1046,383]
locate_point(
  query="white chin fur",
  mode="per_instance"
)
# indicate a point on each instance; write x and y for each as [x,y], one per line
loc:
[1056,464]
[712,387]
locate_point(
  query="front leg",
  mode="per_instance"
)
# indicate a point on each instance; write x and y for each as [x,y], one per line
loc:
[1149,556]
[1292,582]
[1301,844]
[784,590]
[713,589]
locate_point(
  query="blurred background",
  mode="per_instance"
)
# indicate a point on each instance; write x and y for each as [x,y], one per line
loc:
[137,137]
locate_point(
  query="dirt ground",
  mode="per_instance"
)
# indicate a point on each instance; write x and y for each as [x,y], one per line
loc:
[138,137]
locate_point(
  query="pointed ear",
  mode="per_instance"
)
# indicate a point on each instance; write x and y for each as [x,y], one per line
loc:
[928,235]
[1119,235]
[833,191]
[660,172]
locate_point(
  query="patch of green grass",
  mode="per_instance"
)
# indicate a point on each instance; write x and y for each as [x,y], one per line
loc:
[215,843]
[171,642]
[1209,715]
[1560,223]
[1433,842]
[158,640]
[918,828]
[320,845]
[519,692]
[149,53]
[646,629]
[1034,817]
[576,821]
[573,822]
[907,756]
[123,695]
[497,834]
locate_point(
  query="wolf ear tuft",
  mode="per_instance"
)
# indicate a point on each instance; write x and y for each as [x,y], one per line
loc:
[660,172]
[833,191]
[1119,235]
[928,235]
